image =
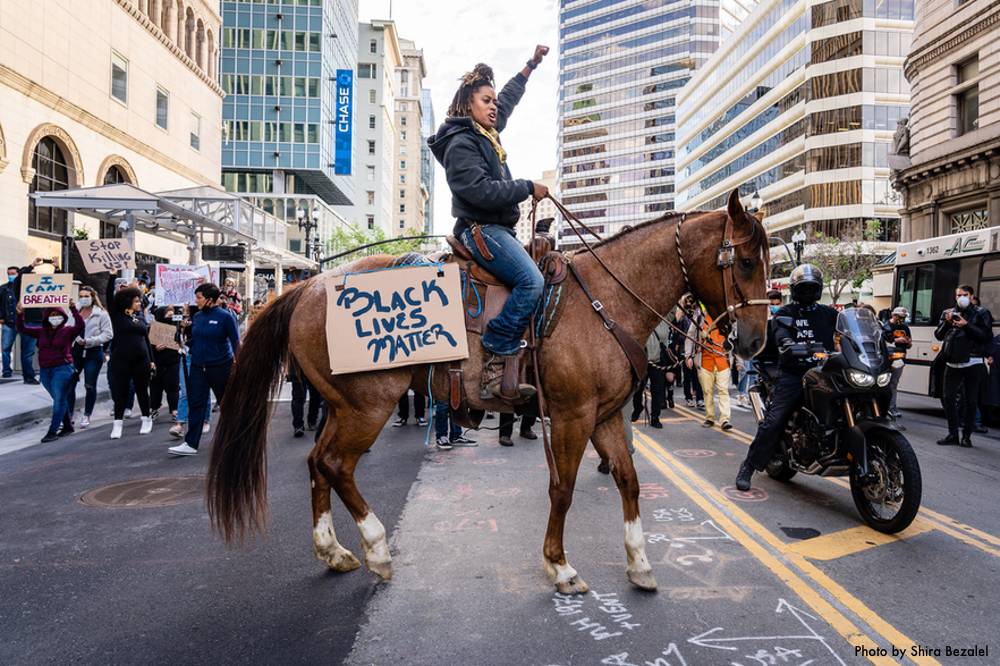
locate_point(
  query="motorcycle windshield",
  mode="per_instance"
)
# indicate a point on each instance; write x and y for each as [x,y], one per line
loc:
[863,329]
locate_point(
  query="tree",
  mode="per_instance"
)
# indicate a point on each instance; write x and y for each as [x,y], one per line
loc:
[845,261]
[349,238]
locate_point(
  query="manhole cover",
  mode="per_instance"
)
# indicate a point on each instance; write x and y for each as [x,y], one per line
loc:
[162,491]
[801,532]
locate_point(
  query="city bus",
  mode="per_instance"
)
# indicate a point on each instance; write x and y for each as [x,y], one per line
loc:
[926,275]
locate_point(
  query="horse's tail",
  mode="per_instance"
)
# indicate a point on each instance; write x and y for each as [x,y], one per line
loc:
[236,491]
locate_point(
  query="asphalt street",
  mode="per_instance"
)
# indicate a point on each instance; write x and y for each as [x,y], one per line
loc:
[784,574]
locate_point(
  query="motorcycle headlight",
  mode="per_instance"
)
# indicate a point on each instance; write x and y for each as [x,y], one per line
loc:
[883,379]
[860,379]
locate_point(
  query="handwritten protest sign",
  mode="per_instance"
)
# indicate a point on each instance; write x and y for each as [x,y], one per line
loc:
[391,318]
[162,335]
[46,290]
[175,283]
[106,254]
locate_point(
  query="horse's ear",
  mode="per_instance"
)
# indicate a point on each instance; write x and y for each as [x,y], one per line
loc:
[735,207]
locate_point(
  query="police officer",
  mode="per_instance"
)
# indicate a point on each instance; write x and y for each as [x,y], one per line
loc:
[813,323]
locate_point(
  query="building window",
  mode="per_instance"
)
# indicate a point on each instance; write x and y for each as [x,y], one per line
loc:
[402,224]
[967,96]
[371,172]
[52,173]
[162,107]
[970,220]
[402,165]
[402,135]
[402,208]
[402,178]
[402,121]
[371,221]
[371,147]
[373,46]
[366,70]
[402,149]
[402,194]
[371,96]
[371,122]
[195,131]
[119,78]
[114,176]
[371,198]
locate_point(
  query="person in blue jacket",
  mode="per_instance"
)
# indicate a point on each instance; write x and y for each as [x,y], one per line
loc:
[484,202]
[214,342]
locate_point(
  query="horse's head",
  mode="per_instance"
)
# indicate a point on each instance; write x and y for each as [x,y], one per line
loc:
[731,275]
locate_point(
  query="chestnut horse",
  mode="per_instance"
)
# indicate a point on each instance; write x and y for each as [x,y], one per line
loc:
[587,379]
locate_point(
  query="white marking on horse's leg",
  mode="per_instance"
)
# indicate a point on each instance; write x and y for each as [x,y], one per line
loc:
[639,571]
[376,547]
[564,577]
[328,549]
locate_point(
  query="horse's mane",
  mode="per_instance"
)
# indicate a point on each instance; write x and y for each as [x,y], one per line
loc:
[758,233]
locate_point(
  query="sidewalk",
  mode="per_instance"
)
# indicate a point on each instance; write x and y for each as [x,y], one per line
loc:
[23,405]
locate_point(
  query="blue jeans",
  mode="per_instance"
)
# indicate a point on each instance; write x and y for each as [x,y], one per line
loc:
[182,399]
[9,336]
[28,345]
[748,375]
[90,368]
[56,381]
[513,266]
[442,420]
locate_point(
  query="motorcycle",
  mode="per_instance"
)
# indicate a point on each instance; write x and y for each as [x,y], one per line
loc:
[841,427]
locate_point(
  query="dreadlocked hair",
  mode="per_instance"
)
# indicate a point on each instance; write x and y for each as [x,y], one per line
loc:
[461,104]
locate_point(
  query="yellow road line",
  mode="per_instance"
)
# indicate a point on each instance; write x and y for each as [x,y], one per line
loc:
[956,529]
[853,540]
[710,500]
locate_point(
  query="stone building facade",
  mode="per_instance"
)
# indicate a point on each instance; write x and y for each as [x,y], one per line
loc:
[947,161]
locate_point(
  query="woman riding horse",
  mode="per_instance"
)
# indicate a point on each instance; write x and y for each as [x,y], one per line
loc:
[484,201]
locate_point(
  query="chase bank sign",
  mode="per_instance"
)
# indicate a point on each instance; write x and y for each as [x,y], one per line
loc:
[344,96]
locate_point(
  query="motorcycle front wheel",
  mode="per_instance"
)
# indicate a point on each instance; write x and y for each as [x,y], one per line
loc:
[889,501]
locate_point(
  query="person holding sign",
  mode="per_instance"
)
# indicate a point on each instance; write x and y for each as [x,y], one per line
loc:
[55,360]
[485,200]
[131,359]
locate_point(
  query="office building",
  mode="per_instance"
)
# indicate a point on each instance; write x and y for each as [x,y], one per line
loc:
[621,66]
[283,65]
[946,155]
[102,92]
[410,195]
[375,138]
[427,128]
[546,208]
[800,104]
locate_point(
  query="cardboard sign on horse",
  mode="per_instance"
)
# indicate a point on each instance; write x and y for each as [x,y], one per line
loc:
[625,283]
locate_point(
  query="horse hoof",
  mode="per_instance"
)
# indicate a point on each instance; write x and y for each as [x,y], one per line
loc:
[381,569]
[341,560]
[574,585]
[643,580]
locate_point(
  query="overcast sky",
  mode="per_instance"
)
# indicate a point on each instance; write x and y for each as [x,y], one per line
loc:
[454,37]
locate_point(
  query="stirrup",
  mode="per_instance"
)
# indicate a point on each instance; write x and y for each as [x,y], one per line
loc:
[500,380]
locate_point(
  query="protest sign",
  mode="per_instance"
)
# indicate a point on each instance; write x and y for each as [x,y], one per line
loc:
[175,283]
[162,335]
[106,254]
[46,290]
[396,317]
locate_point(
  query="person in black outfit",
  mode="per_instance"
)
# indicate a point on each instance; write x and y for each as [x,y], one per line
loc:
[693,395]
[507,428]
[166,379]
[301,387]
[813,323]
[657,362]
[965,333]
[419,409]
[898,334]
[131,358]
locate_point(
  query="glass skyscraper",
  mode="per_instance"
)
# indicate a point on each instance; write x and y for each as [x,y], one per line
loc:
[279,70]
[621,66]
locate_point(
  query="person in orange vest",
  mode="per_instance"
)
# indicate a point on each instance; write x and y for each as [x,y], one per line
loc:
[712,361]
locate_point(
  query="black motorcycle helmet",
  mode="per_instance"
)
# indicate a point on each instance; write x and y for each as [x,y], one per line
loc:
[806,283]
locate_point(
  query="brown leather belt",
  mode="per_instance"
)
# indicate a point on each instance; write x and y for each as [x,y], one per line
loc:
[479,239]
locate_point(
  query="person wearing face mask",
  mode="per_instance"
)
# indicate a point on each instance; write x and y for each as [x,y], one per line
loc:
[964,334]
[55,360]
[131,359]
[897,333]
[214,343]
[484,201]
[88,351]
[811,322]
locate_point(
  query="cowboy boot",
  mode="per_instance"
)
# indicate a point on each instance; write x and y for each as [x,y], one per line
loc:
[495,367]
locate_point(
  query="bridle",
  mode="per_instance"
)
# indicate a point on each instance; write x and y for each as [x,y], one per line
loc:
[725,260]
[733,296]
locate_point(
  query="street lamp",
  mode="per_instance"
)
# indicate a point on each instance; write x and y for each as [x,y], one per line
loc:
[306,224]
[755,202]
[799,241]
